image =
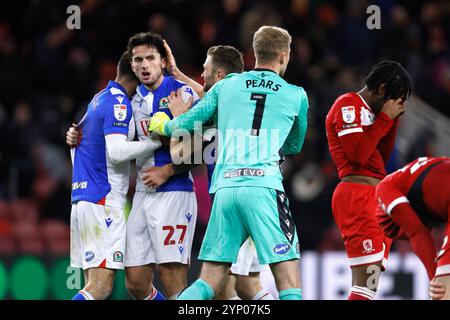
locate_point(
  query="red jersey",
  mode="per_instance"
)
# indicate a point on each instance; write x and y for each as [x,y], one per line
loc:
[359,142]
[412,200]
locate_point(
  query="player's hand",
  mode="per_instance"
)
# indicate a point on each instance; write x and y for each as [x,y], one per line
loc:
[157,123]
[394,108]
[177,105]
[73,136]
[436,290]
[171,64]
[154,177]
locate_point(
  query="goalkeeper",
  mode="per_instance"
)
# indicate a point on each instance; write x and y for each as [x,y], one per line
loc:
[259,115]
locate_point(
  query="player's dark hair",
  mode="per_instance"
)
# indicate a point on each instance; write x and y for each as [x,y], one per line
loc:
[124,67]
[228,58]
[397,81]
[150,39]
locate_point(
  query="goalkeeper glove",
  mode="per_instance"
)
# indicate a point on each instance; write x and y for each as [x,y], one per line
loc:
[157,123]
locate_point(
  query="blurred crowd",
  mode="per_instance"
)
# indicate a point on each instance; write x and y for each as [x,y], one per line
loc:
[49,73]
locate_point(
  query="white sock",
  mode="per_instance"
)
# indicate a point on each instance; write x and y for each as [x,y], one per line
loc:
[263,295]
[87,295]
[234,298]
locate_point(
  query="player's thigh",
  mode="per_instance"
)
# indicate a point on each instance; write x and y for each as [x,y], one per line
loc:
[225,232]
[103,235]
[173,272]
[269,221]
[171,219]
[354,206]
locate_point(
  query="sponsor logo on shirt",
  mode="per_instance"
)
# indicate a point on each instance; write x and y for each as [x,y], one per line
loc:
[79,185]
[281,248]
[120,111]
[244,172]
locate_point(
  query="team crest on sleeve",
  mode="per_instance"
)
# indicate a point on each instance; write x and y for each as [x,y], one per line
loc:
[348,114]
[120,112]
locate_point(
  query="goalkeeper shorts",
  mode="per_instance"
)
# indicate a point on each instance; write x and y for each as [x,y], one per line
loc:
[257,212]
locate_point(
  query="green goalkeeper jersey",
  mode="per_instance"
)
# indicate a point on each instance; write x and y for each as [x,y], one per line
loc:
[260,118]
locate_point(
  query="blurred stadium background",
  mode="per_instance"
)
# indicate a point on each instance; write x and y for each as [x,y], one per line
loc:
[49,73]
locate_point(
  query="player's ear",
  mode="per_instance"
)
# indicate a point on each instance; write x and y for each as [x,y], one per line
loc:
[381,89]
[163,63]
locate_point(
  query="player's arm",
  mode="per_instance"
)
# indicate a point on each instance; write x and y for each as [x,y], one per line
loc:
[172,68]
[296,137]
[386,144]
[419,236]
[201,112]
[359,145]
[120,150]
[116,127]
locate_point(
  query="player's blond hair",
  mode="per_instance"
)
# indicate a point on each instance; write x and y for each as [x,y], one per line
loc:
[269,41]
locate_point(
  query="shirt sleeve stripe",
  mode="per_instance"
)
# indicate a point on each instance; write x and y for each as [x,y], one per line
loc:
[347,131]
[396,202]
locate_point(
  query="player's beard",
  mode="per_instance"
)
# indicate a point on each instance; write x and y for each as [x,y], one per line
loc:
[207,86]
[153,79]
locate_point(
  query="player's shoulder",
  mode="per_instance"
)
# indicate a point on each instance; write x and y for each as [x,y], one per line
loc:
[113,96]
[175,84]
[350,99]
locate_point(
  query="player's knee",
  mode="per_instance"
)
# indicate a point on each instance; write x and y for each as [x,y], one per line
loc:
[174,274]
[136,288]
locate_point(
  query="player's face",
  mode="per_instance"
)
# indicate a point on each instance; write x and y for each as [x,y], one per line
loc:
[209,74]
[148,65]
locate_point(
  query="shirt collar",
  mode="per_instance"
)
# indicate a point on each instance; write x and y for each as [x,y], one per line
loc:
[114,84]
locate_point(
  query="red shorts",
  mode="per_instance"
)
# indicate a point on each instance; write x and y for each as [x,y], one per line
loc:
[443,257]
[354,206]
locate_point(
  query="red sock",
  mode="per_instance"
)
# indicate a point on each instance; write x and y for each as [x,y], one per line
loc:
[361,293]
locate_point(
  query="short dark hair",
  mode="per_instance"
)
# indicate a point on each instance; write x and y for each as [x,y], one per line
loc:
[398,83]
[150,39]
[228,58]
[124,67]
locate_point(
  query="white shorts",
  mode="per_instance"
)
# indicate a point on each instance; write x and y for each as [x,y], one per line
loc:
[247,260]
[97,236]
[160,228]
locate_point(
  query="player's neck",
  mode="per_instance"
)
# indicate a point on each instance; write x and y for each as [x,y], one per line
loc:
[129,86]
[366,95]
[273,67]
